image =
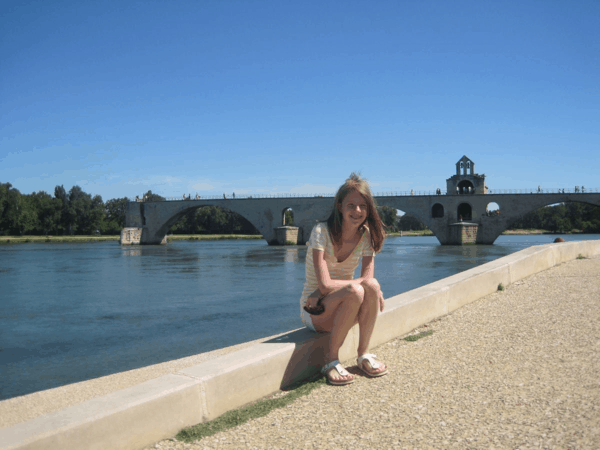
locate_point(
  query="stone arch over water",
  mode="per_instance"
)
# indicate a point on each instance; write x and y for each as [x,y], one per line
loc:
[229,213]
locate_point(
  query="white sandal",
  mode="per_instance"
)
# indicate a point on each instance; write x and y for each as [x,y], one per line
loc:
[374,365]
[335,364]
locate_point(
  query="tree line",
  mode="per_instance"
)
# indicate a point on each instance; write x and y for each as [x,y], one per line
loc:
[562,218]
[76,212]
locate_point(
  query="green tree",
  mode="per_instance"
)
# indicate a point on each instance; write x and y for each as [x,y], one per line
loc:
[60,194]
[150,197]
[48,212]
[288,218]
[115,215]
[389,217]
[28,217]
[409,222]
[11,209]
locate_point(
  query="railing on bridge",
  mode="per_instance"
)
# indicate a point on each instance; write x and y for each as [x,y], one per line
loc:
[576,190]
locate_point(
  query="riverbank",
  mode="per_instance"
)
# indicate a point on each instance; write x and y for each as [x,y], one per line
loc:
[411,233]
[210,237]
[515,369]
[81,239]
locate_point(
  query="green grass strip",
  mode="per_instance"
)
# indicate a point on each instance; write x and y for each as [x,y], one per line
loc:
[211,237]
[416,337]
[253,411]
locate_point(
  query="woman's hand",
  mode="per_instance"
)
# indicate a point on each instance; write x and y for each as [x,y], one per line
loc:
[313,305]
[313,299]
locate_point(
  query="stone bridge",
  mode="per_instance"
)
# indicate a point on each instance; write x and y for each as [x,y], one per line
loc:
[440,213]
[461,214]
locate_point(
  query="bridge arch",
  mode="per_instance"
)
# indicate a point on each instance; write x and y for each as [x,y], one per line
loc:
[464,211]
[289,212]
[222,214]
[466,187]
[492,209]
[220,220]
[437,211]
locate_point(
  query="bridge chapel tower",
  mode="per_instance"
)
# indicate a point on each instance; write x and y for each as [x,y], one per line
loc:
[466,181]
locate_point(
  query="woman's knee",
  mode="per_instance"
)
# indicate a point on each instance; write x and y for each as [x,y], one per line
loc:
[355,293]
[371,285]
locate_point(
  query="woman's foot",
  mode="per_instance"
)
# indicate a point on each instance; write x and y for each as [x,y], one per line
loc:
[336,375]
[370,366]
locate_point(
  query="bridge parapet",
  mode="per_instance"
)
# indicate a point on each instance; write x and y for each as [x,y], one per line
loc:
[576,190]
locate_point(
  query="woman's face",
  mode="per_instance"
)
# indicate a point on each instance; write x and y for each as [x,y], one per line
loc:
[354,209]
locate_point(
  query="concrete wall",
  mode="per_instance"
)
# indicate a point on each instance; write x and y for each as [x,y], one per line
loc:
[138,416]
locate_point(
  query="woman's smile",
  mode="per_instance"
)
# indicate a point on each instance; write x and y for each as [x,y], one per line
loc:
[354,208]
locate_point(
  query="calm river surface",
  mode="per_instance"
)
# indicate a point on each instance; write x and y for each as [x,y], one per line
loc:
[71,312]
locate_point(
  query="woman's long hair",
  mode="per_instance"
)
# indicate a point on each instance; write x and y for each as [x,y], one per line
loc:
[355,183]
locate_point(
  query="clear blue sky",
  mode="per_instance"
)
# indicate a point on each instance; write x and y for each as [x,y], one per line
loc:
[252,97]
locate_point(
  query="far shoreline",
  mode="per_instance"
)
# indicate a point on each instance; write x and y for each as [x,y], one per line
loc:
[219,237]
[116,237]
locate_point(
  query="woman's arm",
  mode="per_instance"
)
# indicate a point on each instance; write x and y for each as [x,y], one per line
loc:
[367,267]
[326,284]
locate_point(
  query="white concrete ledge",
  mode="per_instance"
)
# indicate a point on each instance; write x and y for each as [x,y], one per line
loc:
[138,416]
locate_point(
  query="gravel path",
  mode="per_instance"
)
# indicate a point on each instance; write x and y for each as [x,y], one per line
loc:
[517,369]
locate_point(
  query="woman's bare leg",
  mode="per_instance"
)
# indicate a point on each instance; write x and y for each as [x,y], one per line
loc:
[367,316]
[341,312]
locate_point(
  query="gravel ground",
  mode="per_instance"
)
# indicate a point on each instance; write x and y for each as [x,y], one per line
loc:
[517,369]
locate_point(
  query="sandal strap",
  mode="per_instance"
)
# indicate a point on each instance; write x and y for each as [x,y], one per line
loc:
[369,357]
[334,364]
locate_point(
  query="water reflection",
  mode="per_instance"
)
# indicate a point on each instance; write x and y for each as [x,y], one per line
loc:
[132,251]
[291,255]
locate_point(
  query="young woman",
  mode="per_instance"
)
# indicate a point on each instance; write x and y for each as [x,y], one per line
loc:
[332,301]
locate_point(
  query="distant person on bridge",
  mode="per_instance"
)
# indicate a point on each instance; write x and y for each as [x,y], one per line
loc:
[332,301]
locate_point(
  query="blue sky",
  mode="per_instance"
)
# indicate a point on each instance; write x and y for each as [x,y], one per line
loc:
[272,97]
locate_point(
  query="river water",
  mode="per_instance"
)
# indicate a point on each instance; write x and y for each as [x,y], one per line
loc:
[72,312]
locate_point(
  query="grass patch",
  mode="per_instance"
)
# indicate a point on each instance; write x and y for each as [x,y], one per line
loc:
[500,287]
[75,239]
[253,411]
[210,237]
[580,256]
[526,231]
[411,233]
[70,239]
[416,337]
